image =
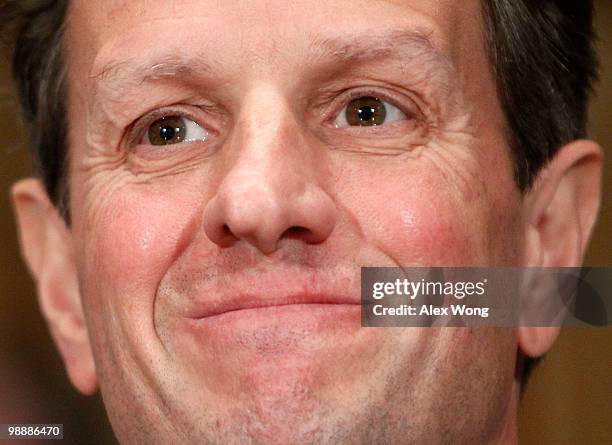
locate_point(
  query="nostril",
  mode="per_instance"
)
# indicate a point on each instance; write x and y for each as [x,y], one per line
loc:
[297,232]
[226,236]
[226,230]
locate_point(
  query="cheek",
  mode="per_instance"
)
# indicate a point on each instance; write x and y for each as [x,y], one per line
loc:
[416,231]
[416,220]
[139,233]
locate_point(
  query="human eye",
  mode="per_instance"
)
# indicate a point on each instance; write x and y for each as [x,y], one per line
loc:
[368,111]
[173,129]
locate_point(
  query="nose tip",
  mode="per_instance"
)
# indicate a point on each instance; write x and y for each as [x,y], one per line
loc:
[263,219]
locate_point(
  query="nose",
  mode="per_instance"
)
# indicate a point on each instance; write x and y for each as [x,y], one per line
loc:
[271,190]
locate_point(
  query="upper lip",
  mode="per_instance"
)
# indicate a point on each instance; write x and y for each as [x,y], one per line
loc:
[266,293]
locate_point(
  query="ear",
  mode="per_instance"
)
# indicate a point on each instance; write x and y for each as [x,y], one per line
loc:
[47,248]
[561,210]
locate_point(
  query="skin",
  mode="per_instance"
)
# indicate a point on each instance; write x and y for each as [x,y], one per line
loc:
[278,203]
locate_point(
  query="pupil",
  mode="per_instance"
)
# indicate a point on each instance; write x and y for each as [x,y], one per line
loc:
[167,133]
[366,113]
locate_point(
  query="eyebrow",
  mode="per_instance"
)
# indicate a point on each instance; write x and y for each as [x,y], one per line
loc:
[161,67]
[410,43]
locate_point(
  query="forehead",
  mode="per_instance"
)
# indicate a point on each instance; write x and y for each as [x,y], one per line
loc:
[264,30]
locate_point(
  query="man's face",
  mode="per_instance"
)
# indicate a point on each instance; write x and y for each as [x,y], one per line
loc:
[219,273]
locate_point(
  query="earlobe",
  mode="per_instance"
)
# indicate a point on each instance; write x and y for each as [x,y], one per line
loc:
[561,210]
[46,246]
[536,341]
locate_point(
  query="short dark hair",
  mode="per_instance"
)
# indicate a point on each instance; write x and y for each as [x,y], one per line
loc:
[541,53]
[34,30]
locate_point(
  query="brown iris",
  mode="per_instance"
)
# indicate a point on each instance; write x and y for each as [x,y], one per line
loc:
[167,130]
[366,112]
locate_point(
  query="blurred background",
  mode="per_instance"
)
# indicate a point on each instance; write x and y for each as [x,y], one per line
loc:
[568,399]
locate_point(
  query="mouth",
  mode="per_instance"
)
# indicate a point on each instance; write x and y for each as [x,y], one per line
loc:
[284,314]
[241,304]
